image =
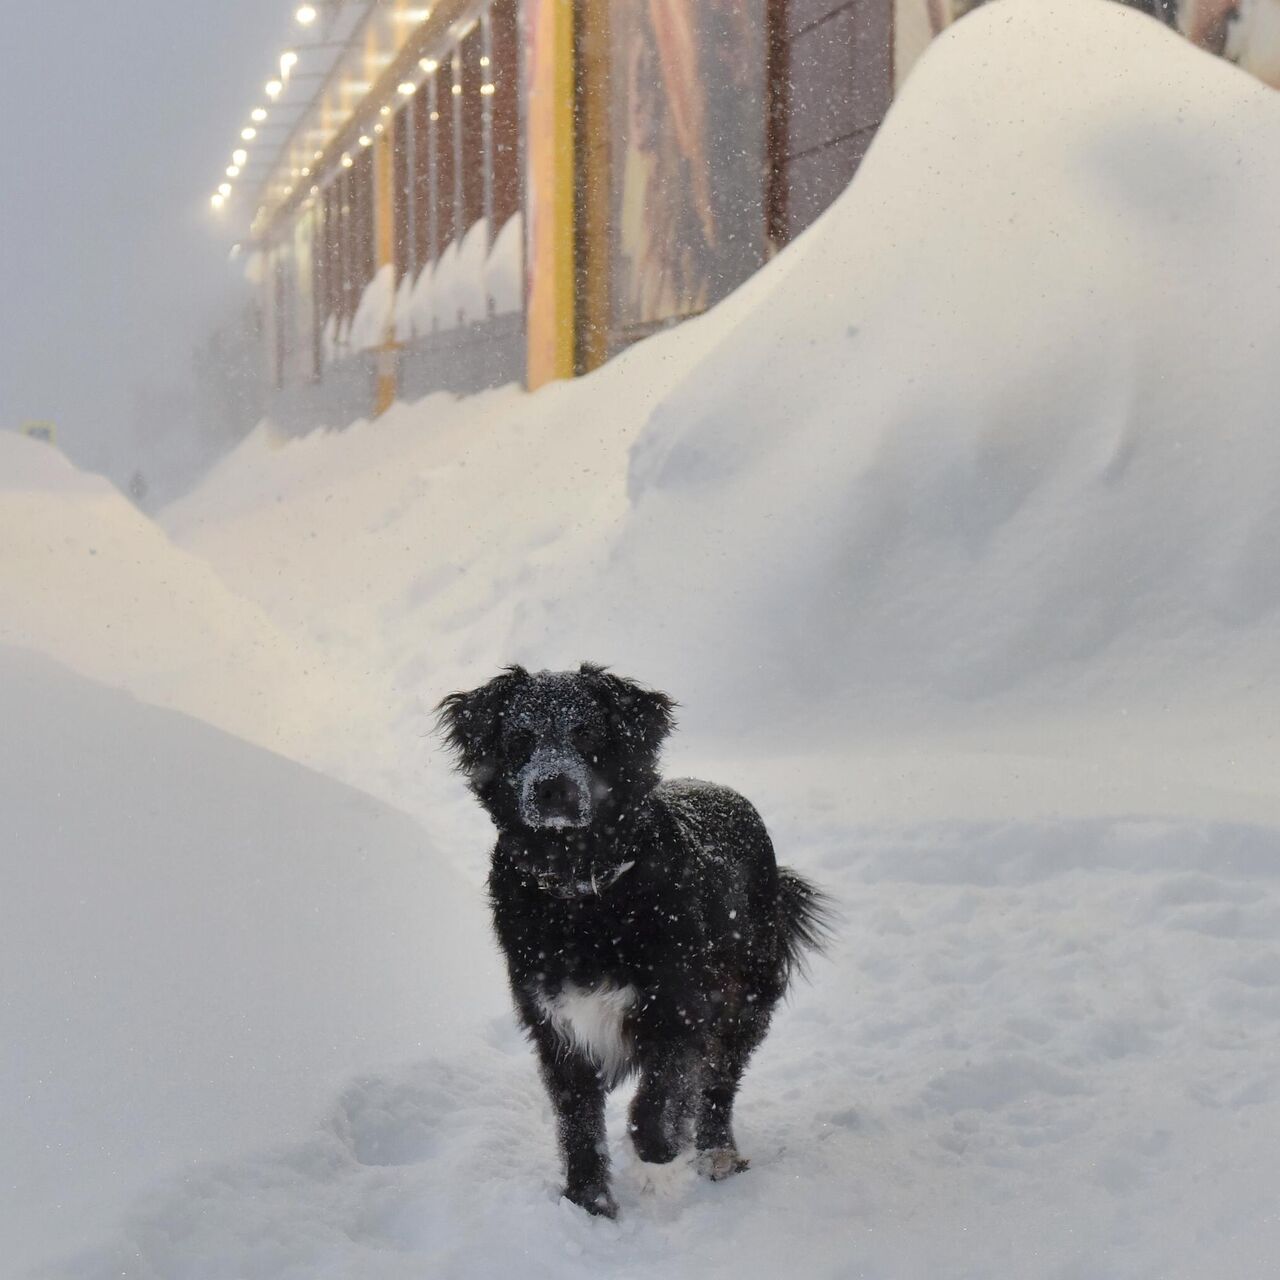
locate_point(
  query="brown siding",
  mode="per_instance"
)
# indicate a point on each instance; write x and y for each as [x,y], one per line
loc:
[504,75]
[402,177]
[424,203]
[471,117]
[364,240]
[832,80]
[446,157]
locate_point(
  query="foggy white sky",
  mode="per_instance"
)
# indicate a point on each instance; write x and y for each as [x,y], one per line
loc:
[119,121]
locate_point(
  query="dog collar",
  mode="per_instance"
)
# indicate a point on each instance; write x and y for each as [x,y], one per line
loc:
[594,887]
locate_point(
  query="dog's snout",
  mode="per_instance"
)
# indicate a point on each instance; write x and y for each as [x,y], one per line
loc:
[559,796]
[555,790]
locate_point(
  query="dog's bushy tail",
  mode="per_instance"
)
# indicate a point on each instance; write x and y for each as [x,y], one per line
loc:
[806,919]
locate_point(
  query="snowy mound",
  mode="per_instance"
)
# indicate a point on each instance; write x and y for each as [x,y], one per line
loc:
[1004,421]
[88,580]
[31,466]
[998,432]
[199,943]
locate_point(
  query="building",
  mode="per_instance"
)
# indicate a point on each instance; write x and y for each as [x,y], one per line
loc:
[483,191]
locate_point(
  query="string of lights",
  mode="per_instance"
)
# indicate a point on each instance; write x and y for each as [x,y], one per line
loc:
[324,133]
[263,119]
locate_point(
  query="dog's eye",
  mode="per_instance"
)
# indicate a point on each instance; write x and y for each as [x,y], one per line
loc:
[585,735]
[520,743]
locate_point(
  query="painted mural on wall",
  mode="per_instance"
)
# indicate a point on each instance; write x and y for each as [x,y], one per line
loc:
[689,155]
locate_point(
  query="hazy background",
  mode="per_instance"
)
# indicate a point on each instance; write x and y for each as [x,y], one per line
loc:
[113,266]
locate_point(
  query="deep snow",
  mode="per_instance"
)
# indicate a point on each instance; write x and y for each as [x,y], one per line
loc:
[1022,375]
[199,942]
[952,532]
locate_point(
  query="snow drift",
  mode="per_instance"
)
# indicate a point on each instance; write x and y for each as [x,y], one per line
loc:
[90,581]
[1023,377]
[959,517]
[199,942]
[989,450]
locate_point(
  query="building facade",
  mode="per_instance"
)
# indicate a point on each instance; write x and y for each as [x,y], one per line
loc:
[488,191]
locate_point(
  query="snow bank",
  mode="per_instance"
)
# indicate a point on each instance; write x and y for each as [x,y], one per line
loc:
[199,942]
[465,281]
[1021,376]
[374,314]
[402,311]
[86,579]
[421,312]
[441,311]
[469,278]
[504,268]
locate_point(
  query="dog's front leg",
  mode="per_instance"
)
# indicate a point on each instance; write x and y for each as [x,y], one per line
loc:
[577,1096]
[668,1043]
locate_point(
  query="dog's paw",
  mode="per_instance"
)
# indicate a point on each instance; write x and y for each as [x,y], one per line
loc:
[597,1201]
[653,1145]
[720,1163]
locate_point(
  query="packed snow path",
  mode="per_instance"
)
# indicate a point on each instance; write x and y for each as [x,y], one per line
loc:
[1037,1050]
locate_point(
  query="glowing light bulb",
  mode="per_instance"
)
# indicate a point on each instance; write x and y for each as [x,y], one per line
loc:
[347,161]
[306,14]
[457,89]
[365,140]
[239,156]
[233,171]
[224,190]
[408,88]
[484,60]
[274,88]
[259,114]
[429,65]
[249,133]
[487,90]
[288,60]
[217,200]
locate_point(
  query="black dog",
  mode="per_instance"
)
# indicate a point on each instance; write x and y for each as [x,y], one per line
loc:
[646,925]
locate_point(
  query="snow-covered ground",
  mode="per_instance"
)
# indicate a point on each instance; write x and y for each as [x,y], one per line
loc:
[199,942]
[954,533]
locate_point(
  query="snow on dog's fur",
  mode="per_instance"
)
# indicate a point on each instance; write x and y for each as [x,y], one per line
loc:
[646,925]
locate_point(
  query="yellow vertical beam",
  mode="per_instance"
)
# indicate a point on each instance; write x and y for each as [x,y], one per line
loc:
[549,196]
[384,207]
[594,192]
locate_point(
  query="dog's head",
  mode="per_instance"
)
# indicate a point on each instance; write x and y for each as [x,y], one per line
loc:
[557,750]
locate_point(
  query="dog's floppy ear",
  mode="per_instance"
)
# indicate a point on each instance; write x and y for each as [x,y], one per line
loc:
[642,718]
[472,722]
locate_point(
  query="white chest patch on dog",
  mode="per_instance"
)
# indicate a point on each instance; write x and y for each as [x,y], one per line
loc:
[592,1021]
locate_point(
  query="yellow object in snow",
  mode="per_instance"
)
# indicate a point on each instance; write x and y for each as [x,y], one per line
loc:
[45,431]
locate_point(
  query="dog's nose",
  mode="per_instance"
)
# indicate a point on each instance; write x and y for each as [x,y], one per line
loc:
[559,796]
